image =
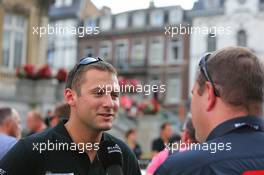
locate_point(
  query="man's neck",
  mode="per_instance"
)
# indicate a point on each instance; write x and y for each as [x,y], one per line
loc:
[2,131]
[220,117]
[41,128]
[81,134]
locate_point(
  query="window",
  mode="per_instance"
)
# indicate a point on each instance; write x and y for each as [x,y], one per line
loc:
[121,54]
[241,38]
[121,21]
[58,3]
[211,42]
[88,52]
[139,19]
[61,3]
[157,18]
[175,16]
[14,41]
[91,22]
[156,51]
[67,2]
[173,90]
[155,80]
[105,50]
[175,50]
[62,47]
[138,54]
[105,23]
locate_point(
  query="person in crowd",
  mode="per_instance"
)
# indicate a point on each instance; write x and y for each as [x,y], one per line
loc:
[166,132]
[227,100]
[35,122]
[180,144]
[92,92]
[61,111]
[131,139]
[10,129]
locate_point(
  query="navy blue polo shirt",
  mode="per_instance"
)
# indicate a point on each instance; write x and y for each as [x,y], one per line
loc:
[25,159]
[232,148]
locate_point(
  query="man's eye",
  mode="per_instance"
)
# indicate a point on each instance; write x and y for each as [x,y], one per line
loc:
[115,95]
[99,93]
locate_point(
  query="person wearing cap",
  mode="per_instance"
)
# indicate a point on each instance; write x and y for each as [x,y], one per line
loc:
[92,92]
[226,106]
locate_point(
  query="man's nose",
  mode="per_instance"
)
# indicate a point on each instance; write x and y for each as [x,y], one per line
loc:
[108,101]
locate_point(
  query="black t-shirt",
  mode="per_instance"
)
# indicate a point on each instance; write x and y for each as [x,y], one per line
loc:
[137,151]
[233,148]
[25,158]
[158,145]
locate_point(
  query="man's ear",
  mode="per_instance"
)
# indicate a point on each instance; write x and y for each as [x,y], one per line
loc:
[70,96]
[8,126]
[211,98]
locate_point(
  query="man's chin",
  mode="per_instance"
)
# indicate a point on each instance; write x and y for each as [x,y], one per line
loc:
[105,128]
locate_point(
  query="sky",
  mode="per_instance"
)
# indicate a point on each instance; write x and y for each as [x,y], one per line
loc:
[119,6]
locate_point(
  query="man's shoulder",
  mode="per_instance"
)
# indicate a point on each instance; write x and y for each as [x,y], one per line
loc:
[228,149]
[5,139]
[180,162]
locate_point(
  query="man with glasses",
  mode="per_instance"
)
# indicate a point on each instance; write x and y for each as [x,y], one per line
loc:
[92,92]
[227,100]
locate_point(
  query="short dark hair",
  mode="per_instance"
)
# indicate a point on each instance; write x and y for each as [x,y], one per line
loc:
[75,77]
[164,125]
[238,75]
[36,115]
[62,110]
[5,112]
[130,131]
[188,126]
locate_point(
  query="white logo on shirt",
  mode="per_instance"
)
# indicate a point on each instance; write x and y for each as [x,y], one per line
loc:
[2,172]
[49,173]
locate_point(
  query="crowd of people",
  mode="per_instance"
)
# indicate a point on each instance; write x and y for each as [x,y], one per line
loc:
[11,129]
[225,127]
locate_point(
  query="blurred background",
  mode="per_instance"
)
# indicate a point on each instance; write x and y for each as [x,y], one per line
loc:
[149,42]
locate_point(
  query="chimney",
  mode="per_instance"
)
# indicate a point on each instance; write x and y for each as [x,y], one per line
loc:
[151,4]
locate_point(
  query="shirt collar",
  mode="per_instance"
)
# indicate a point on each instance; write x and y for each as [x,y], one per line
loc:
[251,122]
[64,136]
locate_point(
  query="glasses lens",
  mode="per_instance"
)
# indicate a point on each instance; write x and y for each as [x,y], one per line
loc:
[89,60]
[204,70]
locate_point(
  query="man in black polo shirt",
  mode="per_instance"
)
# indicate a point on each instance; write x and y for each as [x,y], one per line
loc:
[226,107]
[71,147]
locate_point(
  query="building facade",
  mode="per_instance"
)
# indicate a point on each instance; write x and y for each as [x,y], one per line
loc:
[238,23]
[65,16]
[135,42]
[20,43]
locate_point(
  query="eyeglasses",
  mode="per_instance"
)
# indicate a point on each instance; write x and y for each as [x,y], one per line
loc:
[87,61]
[204,70]
[83,61]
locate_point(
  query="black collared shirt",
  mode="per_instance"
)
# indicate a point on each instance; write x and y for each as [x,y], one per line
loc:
[232,148]
[25,156]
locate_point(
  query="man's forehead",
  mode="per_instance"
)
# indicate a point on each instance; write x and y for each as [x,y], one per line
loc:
[95,74]
[96,78]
